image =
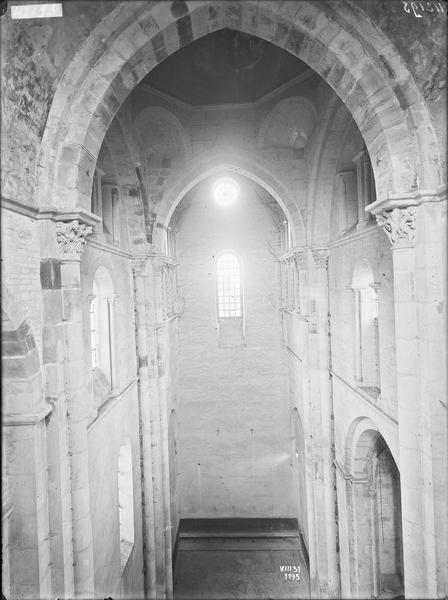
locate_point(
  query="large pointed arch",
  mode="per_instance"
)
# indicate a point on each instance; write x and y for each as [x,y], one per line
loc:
[204,167]
[342,47]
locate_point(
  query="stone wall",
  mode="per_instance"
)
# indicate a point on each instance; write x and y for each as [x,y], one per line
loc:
[234,447]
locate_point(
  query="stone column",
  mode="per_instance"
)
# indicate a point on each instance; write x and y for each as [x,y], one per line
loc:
[414,405]
[361,161]
[149,546]
[357,332]
[71,239]
[163,366]
[114,376]
[323,447]
[162,300]
[155,312]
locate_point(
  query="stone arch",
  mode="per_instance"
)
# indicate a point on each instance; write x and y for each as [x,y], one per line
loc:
[289,124]
[376,538]
[389,111]
[227,162]
[334,125]
[354,432]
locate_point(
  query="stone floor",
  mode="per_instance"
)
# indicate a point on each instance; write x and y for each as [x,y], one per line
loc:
[248,565]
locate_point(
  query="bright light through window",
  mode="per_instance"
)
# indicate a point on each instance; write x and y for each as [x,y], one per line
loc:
[229,286]
[225,191]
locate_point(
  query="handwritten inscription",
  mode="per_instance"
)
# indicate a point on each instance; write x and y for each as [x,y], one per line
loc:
[418,8]
[290,572]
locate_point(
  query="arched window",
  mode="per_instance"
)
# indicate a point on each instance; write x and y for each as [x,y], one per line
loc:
[125,502]
[366,326]
[229,287]
[102,324]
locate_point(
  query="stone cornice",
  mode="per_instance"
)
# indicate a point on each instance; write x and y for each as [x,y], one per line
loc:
[81,215]
[24,419]
[50,213]
[414,198]
[27,209]
[110,248]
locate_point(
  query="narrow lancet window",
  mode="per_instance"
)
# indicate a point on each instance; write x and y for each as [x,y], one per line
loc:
[229,287]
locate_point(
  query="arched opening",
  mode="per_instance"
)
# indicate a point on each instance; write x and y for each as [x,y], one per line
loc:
[239,412]
[377,519]
[101,332]
[337,61]
[366,333]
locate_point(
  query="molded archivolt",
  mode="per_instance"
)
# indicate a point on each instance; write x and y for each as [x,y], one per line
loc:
[289,124]
[133,38]
[364,430]
[230,163]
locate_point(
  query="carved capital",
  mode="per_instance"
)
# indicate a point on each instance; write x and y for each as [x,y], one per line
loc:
[301,259]
[159,264]
[320,258]
[71,236]
[139,266]
[399,224]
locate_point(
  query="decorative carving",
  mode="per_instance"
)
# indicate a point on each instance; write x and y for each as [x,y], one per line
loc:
[301,259]
[139,266]
[71,236]
[320,258]
[399,225]
[159,264]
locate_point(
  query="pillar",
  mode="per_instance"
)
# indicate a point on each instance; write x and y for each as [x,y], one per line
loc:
[144,400]
[363,182]
[357,332]
[156,313]
[322,419]
[163,298]
[71,239]
[418,258]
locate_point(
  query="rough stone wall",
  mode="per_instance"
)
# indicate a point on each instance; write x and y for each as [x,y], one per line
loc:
[234,444]
[34,55]
[20,268]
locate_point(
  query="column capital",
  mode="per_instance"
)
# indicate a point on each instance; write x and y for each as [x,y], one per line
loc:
[301,258]
[399,224]
[162,262]
[320,257]
[139,265]
[71,237]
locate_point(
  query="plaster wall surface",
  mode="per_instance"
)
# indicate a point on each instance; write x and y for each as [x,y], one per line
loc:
[105,437]
[234,447]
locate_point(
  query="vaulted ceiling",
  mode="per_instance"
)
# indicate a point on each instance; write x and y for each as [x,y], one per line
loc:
[224,67]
